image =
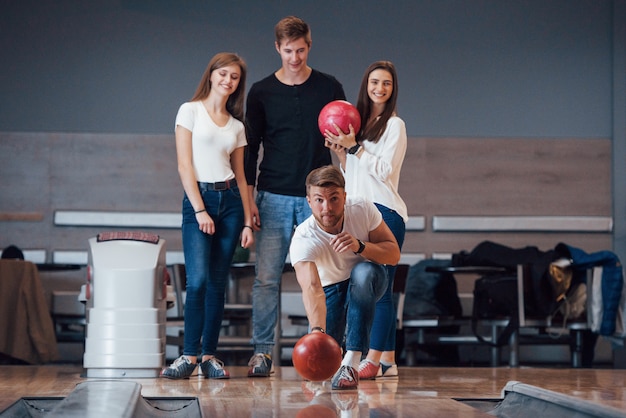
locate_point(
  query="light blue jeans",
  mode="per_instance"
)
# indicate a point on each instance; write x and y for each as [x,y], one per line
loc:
[384,328]
[207,264]
[350,305]
[279,215]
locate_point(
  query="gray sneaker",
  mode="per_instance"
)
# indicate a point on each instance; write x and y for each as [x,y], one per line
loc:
[214,369]
[181,368]
[346,378]
[260,365]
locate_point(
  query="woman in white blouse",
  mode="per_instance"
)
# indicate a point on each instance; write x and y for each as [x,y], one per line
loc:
[371,161]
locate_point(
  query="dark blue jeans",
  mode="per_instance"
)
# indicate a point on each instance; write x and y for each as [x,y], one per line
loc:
[350,305]
[207,264]
[384,327]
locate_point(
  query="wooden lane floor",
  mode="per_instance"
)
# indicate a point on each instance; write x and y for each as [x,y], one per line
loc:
[419,392]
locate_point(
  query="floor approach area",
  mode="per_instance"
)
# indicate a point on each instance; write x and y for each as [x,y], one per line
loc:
[418,392]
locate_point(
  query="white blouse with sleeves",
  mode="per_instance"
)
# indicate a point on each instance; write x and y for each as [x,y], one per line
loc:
[376,174]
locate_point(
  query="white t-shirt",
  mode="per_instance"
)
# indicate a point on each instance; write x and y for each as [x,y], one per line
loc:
[211,144]
[311,243]
[376,174]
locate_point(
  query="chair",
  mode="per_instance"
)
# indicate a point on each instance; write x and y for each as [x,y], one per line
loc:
[179,282]
[236,319]
[542,325]
[530,331]
[399,289]
[447,327]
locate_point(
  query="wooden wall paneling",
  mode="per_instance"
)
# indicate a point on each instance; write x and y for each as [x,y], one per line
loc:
[115,172]
[45,172]
[508,176]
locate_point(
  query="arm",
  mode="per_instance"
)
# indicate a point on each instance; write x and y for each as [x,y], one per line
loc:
[313,295]
[254,129]
[236,162]
[382,247]
[254,210]
[188,178]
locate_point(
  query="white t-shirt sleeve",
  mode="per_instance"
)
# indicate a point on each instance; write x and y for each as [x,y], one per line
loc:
[185,116]
[299,249]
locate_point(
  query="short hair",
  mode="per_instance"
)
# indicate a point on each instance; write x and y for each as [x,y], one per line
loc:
[326,176]
[12,252]
[291,28]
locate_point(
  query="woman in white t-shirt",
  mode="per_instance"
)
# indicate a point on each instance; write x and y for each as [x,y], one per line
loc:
[371,161]
[210,143]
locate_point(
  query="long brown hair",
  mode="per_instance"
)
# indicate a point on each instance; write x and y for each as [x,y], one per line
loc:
[235,102]
[373,131]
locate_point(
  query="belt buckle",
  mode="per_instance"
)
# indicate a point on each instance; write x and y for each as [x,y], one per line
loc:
[220,185]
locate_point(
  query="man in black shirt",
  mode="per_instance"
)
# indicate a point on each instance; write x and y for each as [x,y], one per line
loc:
[281,114]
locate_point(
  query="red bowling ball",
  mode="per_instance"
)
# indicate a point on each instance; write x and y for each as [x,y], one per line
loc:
[342,114]
[316,356]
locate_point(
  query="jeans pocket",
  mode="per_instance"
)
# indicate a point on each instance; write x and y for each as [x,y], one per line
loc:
[235,192]
[259,197]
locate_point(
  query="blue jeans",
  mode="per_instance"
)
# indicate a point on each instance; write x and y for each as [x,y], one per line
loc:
[350,305]
[384,326]
[207,264]
[279,215]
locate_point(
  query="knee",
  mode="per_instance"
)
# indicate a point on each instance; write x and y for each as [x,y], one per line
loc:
[194,293]
[369,276]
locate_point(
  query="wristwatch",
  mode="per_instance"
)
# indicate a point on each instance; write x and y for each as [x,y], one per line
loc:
[354,149]
[361,247]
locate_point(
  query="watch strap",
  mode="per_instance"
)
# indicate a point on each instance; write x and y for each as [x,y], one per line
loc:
[361,247]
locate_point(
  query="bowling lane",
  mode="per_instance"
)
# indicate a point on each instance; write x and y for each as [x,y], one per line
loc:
[422,392]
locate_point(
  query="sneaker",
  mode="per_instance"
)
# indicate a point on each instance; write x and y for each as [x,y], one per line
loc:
[214,369]
[181,368]
[260,365]
[387,371]
[346,378]
[368,370]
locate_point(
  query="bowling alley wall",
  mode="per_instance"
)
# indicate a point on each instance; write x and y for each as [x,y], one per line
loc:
[515,111]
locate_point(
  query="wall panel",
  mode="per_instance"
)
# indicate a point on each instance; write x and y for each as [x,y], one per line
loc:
[46,172]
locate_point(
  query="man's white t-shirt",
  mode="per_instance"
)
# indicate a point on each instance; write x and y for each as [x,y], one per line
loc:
[311,243]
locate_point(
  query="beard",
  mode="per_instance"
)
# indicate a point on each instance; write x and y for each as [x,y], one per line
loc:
[329,221]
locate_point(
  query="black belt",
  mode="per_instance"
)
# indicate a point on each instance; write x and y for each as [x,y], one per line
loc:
[220,185]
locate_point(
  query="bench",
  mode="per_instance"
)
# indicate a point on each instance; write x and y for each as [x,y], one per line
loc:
[544,329]
[422,326]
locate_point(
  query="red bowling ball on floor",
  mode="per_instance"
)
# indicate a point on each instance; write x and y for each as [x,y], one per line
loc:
[316,356]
